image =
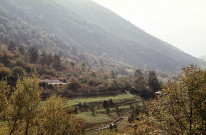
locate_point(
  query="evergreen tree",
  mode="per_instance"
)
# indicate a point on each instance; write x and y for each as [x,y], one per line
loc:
[111,104]
[153,81]
[105,104]
[140,86]
[108,111]
[117,110]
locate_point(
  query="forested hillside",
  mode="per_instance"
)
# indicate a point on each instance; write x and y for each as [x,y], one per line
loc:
[69,26]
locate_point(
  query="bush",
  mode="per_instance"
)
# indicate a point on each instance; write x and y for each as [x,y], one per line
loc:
[29,67]
[17,71]
[147,93]
[105,104]
[20,63]
[4,71]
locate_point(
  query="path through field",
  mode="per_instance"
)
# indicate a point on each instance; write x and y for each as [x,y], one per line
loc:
[106,127]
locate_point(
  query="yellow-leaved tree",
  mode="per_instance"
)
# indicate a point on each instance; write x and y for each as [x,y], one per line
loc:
[21,112]
[180,109]
[22,106]
[56,119]
[4,89]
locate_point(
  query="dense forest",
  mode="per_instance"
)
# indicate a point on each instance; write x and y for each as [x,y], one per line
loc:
[80,80]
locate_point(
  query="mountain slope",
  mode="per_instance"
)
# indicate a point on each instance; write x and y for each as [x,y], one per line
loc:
[85,24]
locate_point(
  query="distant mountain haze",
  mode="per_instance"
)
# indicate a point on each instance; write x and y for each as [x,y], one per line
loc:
[203,57]
[181,23]
[87,25]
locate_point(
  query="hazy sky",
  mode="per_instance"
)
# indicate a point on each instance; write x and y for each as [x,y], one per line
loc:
[181,23]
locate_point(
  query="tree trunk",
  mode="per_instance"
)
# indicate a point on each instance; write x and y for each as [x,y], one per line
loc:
[190,132]
[14,125]
[27,128]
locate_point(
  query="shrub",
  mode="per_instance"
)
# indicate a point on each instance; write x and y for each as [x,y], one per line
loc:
[29,67]
[4,71]
[17,71]
[20,63]
[105,104]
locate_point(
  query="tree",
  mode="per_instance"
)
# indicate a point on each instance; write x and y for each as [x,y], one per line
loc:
[4,72]
[111,103]
[6,59]
[57,62]
[20,63]
[153,81]
[22,50]
[17,72]
[33,55]
[85,105]
[140,86]
[31,99]
[74,84]
[112,74]
[139,81]
[117,110]
[49,58]
[55,114]
[110,127]
[22,105]
[108,111]
[105,104]
[83,65]
[181,108]
[11,46]
[92,109]
[4,90]
[80,105]
[21,113]
[43,59]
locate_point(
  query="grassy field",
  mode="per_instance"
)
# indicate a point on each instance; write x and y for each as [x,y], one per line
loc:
[101,118]
[98,117]
[97,99]
[101,114]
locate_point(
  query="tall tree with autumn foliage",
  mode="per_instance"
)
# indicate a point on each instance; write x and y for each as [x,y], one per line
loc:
[56,119]
[22,113]
[21,107]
